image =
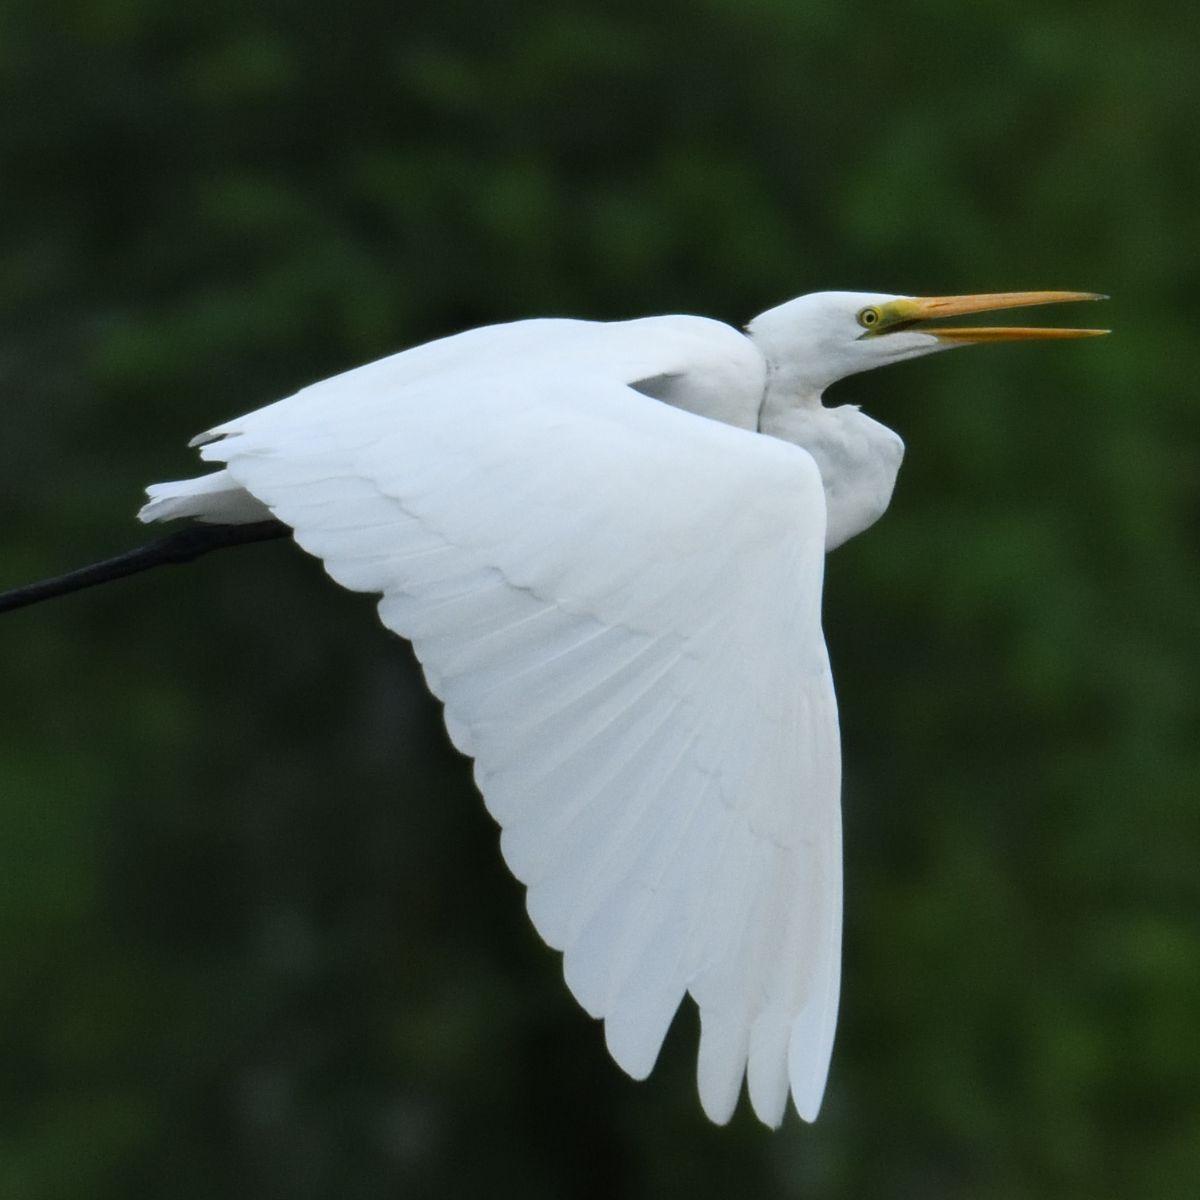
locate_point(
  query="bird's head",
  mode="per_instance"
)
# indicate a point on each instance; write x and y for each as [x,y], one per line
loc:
[815,340]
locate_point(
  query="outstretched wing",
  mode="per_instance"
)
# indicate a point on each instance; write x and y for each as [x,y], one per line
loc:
[619,604]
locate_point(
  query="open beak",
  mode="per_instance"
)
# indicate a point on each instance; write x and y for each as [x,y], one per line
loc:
[915,313]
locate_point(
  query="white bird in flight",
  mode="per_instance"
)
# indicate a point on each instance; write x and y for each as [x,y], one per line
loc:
[613,582]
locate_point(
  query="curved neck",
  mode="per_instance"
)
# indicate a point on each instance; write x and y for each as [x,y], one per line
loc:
[858,458]
[790,386]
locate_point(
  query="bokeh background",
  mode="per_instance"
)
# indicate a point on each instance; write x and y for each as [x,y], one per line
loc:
[256,937]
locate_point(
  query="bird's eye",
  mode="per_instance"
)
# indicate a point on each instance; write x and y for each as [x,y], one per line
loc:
[869,318]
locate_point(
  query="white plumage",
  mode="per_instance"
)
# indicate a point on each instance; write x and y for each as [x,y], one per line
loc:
[613,583]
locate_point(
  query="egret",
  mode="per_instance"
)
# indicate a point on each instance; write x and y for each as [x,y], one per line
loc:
[606,542]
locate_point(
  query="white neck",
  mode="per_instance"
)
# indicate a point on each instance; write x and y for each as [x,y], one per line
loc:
[858,458]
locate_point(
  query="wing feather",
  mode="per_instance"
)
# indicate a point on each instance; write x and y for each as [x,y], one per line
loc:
[619,604]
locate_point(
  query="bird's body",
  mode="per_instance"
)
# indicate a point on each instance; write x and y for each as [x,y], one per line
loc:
[631,692]
[613,582]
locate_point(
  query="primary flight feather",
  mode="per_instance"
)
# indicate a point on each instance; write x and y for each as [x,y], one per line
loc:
[612,579]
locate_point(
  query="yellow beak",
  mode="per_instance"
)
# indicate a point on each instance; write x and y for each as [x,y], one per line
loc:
[913,313]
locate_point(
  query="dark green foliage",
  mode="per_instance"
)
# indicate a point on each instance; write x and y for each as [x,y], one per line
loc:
[257,939]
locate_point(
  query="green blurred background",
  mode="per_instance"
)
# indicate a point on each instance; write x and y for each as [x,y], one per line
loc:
[257,939]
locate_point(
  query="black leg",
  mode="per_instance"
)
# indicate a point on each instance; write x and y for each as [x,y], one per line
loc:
[182,546]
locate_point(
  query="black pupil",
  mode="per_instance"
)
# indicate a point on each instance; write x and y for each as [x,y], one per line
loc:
[869,317]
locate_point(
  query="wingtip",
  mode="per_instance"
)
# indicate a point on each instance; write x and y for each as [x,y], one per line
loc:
[719,1109]
[808,1108]
[631,1053]
[809,1074]
[720,1066]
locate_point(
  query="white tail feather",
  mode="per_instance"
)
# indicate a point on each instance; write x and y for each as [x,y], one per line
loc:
[216,498]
